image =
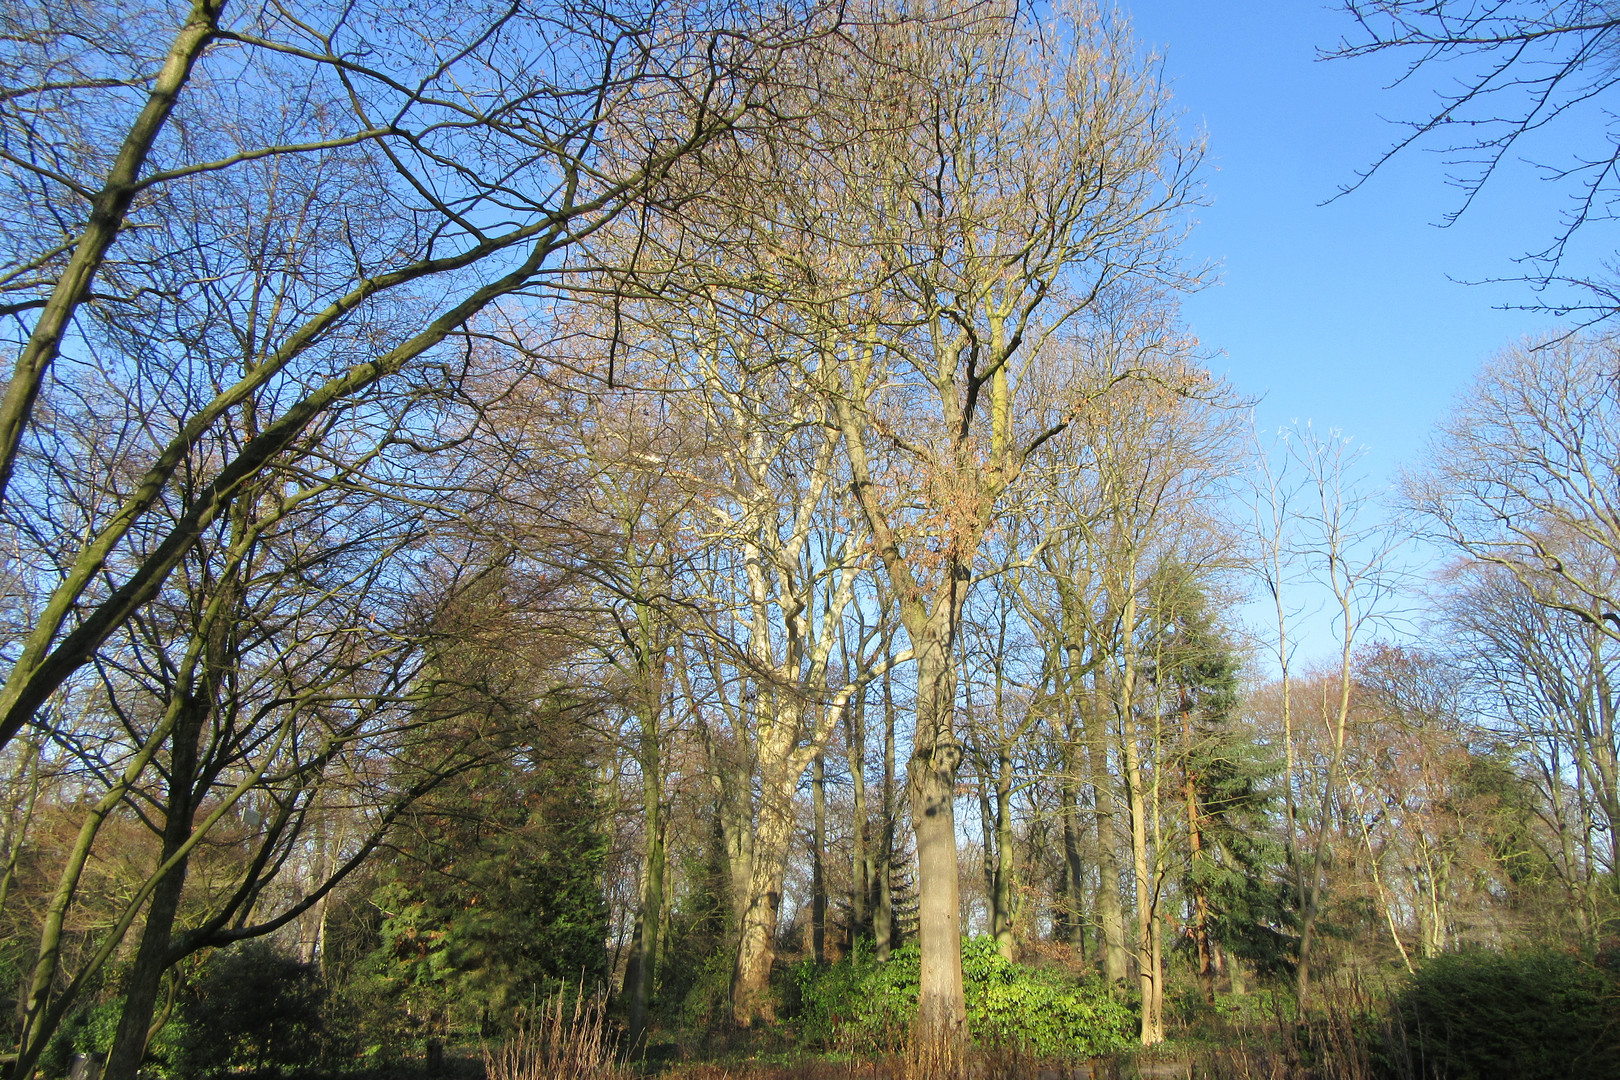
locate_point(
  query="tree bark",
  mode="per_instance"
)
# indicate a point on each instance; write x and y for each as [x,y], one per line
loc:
[818,869]
[642,968]
[862,871]
[941,1005]
[145,976]
[756,950]
[1074,871]
[883,927]
[1001,920]
[1110,911]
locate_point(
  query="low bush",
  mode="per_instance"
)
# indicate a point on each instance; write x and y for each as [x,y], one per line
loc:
[860,1005]
[1532,1016]
[250,1009]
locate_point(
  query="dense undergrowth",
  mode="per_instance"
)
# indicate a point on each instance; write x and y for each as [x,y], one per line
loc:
[862,1006]
[1472,1015]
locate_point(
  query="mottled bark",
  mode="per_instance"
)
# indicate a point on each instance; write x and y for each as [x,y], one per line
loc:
[756,950]
[941,1006]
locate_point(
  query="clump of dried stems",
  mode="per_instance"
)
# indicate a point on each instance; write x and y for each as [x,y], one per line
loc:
[1332,1044]
[554,1042]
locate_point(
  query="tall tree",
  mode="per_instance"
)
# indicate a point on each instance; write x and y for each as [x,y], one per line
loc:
[426,183]
[1062,118]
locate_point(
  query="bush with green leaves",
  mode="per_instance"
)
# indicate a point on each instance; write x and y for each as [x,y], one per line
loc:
[250,1009]
[1533,1016]
[862,1005]
[87,1030]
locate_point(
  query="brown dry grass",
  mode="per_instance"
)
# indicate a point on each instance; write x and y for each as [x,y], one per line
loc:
[556,1042]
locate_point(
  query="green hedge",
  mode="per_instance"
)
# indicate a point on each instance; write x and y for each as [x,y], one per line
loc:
[860,1005]
[1532,1016]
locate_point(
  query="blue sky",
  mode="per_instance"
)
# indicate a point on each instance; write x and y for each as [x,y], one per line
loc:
[1353,314]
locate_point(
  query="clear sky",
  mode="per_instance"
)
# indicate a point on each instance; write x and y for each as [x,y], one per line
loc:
[1353,314]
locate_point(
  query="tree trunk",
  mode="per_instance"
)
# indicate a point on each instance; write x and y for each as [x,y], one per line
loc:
[1110,912]
[941,1005]
[861,868]
[756,950]
[145,976]
[1001,922]
[1147,971]
[1074,871]
[818,855]
[883,928]
[642,968]
[1195,858]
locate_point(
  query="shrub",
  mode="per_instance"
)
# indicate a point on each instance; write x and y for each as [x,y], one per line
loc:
[1533,1016]
[250,1008]
[88,1030]
[863,1006]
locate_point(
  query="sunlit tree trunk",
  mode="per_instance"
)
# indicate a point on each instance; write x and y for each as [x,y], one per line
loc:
[1148,975]
[818,856]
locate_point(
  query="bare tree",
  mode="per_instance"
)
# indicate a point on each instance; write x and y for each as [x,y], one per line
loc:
[1524,476]
[1347,547]
[1545,680]
[452,159]
[1016,116]
[1519,72]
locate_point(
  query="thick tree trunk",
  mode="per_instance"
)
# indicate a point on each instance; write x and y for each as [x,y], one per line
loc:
[941,1007]
[1110,911]
[736,828]
[1074,871]
[756,950]
[862,875]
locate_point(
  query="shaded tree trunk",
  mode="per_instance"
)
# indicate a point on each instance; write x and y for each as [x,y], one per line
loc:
[1110,911]
[883,925]
[1074,871]
[862,870]
[642,967]
[1001,899]
[152,959]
